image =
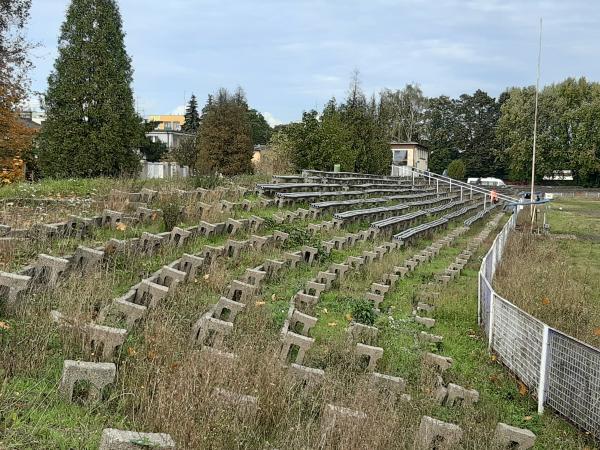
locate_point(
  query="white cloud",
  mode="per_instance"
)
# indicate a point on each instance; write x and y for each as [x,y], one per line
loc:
[271,120]
[180,110]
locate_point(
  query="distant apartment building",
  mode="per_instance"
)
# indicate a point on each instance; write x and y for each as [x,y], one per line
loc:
[168,129]
[168,122]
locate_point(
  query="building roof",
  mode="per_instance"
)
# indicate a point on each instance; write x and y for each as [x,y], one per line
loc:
[412,143]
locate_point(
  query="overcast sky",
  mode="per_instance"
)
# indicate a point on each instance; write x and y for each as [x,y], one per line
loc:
[291,56]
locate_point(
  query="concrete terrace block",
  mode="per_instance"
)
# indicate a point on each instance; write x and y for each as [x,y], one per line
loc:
[260,242]
[179,236]
[190,264]
[292,340]
[255,277]
[305,301]
[113,439]
[87,259]
[132,311]
[280,237]
[314,288]
[425,321]
[337,419]
[49,268]
[431,338]
[380,289]
[233,226]
[149,293]
[326,278]
[149,243]
[12,286]
[241,292]
[309,254]
[255,223]
[171,278]
[308,376]
[108,339]
[376,299]
[111,218]
[359,332]
[438,435]
[210,331]
[292,258]
[299,318]
[513,438]
[227,309]
[369,257]
[373,354]
[355,261]
[246,405]
[460,396]
[98,375]
[391,386]
[439,362]
[339,270]
[273,267]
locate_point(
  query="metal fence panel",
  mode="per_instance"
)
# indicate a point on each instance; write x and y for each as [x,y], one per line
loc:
[573,381]
[485,303]
[517,338]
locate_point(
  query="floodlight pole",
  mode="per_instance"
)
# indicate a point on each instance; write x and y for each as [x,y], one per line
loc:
[537,87]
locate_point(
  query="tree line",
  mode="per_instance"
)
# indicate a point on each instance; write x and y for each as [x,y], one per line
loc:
[92,127]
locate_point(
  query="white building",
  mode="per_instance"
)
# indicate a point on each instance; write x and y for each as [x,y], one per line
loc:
[406,155]
[170,138]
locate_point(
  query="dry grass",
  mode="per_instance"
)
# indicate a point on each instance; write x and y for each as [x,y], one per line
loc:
[555,280]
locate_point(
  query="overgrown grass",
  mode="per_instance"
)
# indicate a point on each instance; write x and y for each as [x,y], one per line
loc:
[166,385]
[556,277]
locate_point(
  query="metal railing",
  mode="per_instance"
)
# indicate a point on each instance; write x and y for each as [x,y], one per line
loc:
[458,185]
[559,370]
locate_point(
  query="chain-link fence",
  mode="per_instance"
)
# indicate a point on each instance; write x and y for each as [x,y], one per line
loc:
[562,372]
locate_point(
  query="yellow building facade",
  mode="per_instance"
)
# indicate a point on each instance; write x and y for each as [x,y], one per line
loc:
[168,122]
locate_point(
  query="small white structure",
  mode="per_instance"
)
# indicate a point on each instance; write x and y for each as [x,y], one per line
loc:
[163,170]
[406,155]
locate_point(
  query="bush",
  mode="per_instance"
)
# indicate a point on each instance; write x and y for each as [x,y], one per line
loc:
[172,214]
[362,312]
[457,170]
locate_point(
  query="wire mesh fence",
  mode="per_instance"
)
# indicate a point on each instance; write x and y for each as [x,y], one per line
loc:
[562,372]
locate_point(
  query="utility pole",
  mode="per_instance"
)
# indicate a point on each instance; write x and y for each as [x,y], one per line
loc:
[535,117]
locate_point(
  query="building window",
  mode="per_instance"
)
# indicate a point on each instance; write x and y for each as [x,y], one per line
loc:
[400,157]
[168,126]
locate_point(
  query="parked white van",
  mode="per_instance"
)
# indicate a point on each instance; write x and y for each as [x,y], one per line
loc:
[488,181]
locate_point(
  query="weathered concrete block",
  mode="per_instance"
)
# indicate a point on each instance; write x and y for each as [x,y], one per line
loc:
[179,236]
[227,309]
[210,331]
[292,341]
[336,419]
[376,299]
[458,395]
[171,278]
[326,278]
[273,267]
[149,243]
[513,437]
[299,322]
[441,363]
[255,277]
[392,387]
[309,254]
[308,376]
[438,435]
[49,268]
[380,289]
[107,340]
[241,292]
[245,405]
[305,301]
[86,259]
[149,293]
[260,242]
[12,286]
[431,338]
[425,321]
[233,249]
[359,332]
[190,264]
[314,288]
[98,375]
[113,439]
[373,354]
[339,270]
[280,238]
[111,218]
[293,259]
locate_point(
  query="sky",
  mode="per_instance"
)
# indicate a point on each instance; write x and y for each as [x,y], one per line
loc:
[294,55]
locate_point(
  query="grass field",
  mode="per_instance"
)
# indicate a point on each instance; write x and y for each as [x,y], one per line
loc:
[557,277]
[164,385]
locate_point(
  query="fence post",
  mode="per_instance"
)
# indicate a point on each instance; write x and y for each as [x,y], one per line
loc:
[479,275]
[437,186]
[461,189]
[543,372]
[491,321]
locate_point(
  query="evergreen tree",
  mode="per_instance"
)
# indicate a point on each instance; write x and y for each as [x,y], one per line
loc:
[225,138]
[261,130]
[192,118]
[91,128]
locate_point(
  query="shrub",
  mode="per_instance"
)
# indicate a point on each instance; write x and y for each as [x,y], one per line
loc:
[457,170]
[362,312]
[172,214]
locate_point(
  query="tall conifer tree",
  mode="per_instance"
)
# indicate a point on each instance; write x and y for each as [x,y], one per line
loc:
[192,118]
[91,128]
[225,137]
